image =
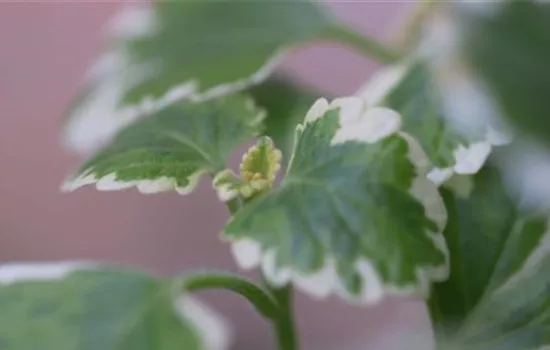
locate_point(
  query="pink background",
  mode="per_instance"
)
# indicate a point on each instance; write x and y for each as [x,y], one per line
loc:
[45,49]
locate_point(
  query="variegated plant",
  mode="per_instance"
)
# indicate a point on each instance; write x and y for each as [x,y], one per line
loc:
[402,189]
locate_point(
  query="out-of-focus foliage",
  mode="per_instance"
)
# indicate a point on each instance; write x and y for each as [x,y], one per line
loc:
[497,292]
[65,307]
[285,104]
[507,44]
[186,49]
[364,208]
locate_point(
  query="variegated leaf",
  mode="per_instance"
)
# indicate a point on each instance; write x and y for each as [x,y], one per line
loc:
[172,148]
[355,214]
[185,49]
[410,89]
[67,306]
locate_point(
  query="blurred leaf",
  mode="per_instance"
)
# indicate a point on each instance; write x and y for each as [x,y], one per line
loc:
[509,48]
[221,42]
[353,216]
[416,99]
[185,49]
[286,105]
[172,148]
[497,294]
[410,89]
[98,308]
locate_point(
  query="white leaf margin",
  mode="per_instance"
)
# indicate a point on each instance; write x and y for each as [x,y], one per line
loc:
[369,126]
[468,159]
[467,102]
[111,182]
[213,330]
[226,190]
[100,115]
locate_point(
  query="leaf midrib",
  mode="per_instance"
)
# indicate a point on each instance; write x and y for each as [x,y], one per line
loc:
[190,143]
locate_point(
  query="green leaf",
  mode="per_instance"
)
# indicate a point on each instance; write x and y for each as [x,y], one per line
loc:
[67,306]
[497,294]
[354,215]
[418,102]
[186,49]
[285,104]
[172,148]
[210,43]
[409,89]
[261,162]
[509,48]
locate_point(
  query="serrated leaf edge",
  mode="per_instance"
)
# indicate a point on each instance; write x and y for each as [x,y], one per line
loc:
[468,159]
[110,182]
[325,281]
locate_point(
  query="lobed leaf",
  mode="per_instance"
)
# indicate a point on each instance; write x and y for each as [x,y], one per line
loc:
[355,214]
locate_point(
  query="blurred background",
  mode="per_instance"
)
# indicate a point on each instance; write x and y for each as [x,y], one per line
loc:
[46,47]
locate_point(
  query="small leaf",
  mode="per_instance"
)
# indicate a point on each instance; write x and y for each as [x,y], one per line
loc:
[408,88]
[497,294]
[67,306]
[258,170]
[186,49]
[172,148]
[227,185]
[354,215]
[261,163]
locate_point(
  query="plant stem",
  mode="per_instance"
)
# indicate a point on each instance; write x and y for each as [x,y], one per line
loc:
[364,44]
[257,296]
[284,323]
[280,299]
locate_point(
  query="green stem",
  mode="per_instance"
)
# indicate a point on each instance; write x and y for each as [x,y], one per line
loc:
[257,296]
[284,323]
[365,44]
[280,299]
